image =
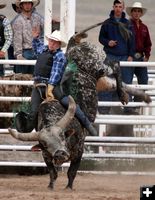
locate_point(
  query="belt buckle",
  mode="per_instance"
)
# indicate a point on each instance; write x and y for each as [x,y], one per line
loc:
[138,55]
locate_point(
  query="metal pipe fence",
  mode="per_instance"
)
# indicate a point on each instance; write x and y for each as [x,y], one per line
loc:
[100,119]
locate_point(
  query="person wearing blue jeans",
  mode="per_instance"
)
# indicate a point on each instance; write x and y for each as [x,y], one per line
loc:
[117,38]
[142,41]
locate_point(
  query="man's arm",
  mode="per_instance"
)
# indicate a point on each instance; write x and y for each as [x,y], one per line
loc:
[8,34]
[102,35]
[37,43]
[147,46]
[58,68]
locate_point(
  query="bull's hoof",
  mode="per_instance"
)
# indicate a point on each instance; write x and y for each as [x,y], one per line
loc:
[147,99]
[69,188]
[124,98]
[50,187]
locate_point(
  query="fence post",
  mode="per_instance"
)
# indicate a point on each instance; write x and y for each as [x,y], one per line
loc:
[67,18]
[47,19]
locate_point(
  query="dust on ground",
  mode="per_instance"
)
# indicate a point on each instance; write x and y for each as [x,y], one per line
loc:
[86,187]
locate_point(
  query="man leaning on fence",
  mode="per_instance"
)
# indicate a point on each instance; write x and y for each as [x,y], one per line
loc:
[142,41]
[5,37]
[22,33]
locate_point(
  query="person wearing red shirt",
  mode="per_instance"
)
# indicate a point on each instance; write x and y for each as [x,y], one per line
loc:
[142,40]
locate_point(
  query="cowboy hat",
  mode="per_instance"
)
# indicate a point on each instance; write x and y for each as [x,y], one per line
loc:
[35,2]
[136,5]
[2,4]
[56,35]
[14,6]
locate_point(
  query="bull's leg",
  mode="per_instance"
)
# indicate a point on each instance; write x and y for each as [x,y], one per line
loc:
[113,68]
[72,171]
[52,171]
[123,96]
[138,93]
[109,84]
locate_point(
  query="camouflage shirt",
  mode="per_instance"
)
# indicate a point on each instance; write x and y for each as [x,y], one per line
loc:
[22,31]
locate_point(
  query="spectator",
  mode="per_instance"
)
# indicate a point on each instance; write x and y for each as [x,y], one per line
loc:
[22,33]
[5,37]
[117,38]
[18,11]
[11,50]
[142,40]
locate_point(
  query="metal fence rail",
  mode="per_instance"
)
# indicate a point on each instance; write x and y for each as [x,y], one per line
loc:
[132,142]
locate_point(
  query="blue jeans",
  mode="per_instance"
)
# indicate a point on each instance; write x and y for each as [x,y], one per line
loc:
[11,53]
[26,69]
[1,70]
[141,73]
[78,112]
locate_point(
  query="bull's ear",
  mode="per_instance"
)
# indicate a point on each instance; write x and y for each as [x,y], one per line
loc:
[69,133]
[36,147]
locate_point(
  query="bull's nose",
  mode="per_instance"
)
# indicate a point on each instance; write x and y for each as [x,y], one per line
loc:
[60,157]
[60,154]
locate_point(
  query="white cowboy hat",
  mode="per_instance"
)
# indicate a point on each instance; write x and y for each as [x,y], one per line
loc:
[14,5]
[136,5]
[56,35]
[35,2]
[2,4]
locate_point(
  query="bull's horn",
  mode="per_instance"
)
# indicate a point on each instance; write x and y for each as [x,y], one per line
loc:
[88,28]
[33,136]
[76,38]
[66,119]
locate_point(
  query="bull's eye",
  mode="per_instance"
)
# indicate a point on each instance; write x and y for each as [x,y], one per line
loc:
[62,136]
[44,144]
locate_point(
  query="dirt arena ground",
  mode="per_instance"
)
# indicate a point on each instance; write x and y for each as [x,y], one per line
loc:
[86,187]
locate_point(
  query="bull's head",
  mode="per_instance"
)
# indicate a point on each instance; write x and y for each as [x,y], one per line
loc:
[52,138]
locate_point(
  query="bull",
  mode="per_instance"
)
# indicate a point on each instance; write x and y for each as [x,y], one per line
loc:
[61,136]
